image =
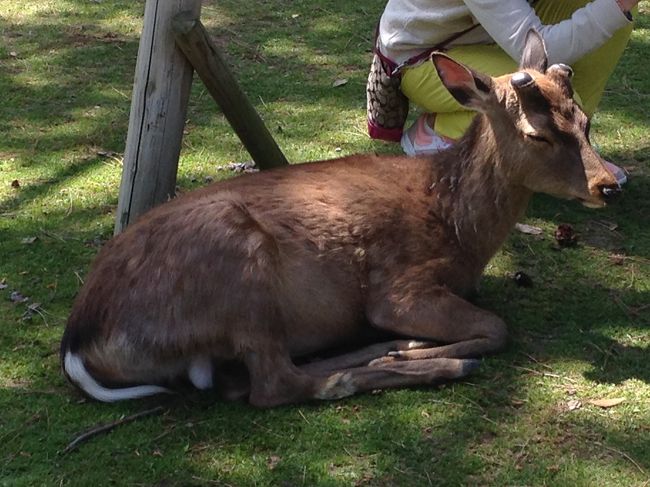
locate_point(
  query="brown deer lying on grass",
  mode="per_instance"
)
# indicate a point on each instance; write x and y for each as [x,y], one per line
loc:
[263,269]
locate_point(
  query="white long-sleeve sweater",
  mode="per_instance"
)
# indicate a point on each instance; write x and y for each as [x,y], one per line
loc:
[407,27]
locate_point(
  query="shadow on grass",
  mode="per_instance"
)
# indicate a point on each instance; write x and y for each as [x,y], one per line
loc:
[80,67]
[444,435]
[60,177]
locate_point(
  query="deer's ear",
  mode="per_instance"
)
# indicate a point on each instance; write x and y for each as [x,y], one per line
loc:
[469,88]
[534,55]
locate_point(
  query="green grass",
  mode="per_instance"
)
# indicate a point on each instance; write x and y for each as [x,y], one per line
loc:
[581,333]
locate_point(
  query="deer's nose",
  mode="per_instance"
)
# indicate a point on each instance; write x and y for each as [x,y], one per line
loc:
[610,191]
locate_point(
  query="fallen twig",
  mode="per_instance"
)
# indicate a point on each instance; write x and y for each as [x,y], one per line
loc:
[303,416]
[81,280]
[543,374]
[55,236]
[104,428]
[625,455]
[537,361]
[163,434]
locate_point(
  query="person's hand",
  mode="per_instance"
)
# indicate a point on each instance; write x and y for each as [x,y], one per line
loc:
[627,5]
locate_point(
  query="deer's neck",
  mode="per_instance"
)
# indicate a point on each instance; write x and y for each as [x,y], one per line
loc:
[480,196]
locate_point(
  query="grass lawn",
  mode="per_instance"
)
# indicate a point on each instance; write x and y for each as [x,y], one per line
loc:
[580,334]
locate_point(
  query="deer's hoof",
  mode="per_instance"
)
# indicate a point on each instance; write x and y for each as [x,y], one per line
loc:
[382,361]
[397,355]
[470,365]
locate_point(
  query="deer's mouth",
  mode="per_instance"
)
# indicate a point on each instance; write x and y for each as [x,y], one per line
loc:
[592,203]
[601,195]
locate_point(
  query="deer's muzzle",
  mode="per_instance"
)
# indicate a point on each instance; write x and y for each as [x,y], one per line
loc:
[610,191]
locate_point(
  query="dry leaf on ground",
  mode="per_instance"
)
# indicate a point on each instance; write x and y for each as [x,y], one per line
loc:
[16,297]
[606,403]
[573,404]
[272,462]
[528,229]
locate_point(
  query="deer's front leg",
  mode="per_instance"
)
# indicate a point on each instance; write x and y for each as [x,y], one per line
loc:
[434,313]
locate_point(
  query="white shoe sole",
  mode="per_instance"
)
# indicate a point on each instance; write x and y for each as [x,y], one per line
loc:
[407,145]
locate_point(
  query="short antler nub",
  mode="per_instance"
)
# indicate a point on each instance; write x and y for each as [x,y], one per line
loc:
[562,68]
[521,80]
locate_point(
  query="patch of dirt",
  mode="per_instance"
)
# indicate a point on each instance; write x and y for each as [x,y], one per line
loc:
[79,39]
[84,35]
[603,234]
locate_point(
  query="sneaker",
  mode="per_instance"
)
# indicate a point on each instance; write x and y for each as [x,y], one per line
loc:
[420,139]
[619,173]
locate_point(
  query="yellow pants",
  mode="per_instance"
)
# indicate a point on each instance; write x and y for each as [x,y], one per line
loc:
[423,87]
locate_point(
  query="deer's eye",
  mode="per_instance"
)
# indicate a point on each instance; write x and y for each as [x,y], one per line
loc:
[537,138]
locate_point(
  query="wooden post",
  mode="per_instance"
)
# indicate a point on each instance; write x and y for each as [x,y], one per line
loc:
[161,91]
[213,70]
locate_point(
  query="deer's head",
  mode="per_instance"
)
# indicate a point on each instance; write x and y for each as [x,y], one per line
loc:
[541,135]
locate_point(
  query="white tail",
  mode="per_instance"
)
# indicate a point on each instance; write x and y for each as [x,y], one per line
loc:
[76,371]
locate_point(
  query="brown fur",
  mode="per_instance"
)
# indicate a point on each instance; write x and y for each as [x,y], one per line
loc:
[265,268]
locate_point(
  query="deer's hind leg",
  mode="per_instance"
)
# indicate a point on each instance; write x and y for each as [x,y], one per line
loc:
[398,374]
[363,356]
[275,380]
[464,329]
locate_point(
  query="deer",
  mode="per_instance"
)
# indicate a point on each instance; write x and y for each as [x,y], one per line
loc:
[231,285]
